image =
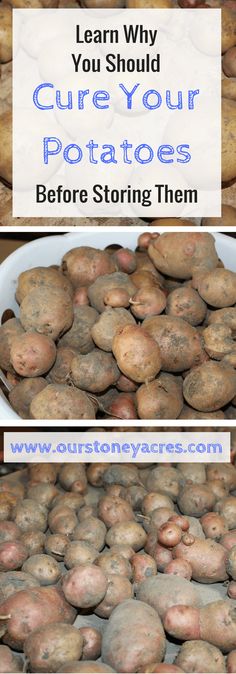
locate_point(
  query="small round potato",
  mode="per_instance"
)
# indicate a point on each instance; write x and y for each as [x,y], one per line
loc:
[32,354]
[95,371]
[130,533]
[44,568]
[30,515]
[12,555]
[137,353]
[79,552]
[84,586]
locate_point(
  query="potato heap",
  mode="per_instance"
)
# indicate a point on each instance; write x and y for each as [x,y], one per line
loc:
[119,334]
[97,563]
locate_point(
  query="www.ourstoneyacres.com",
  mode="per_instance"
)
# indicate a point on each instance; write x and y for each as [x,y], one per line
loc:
[114,448]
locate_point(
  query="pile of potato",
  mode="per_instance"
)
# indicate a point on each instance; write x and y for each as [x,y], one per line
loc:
[228,7]
[101,564]
[120,334]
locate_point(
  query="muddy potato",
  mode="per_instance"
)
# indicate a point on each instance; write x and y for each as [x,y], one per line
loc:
[179,567]
[206,557]
[157,518]
[137,354]
[9,662]
[59,641]
[164,591]
[62,520]
[12,555]
[228,154]
[60,372]
[121,475]
[209,387]
[135,495]
[130,533]
[44,568]
[39,277]
[79,552]
[92,643]
[55,545]
[192,252]
[228,88]
[95,473]
[61,402]
[147,302]
[5,34]
[34,541]
[79,336]
[8,332]
[103,284]
[42,472]
[22,394]
[200,655]
[114,563]
[32,608]
[185,303]
[73,500]
[15,581]
[107,324]
[92,531]
[30,516]
[119,589]
[179,342]
[6,149]
[95,371]
[218,288]
[123,550]
[196,501]
[84,586]
[84,264]
[154,501]
[47,310]
[160,399]
[224,472]
[114,510]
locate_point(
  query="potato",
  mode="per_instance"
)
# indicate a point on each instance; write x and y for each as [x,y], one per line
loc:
[214,525]
[192,252]
[119,589]
[227,508]
[39,277]
[86,666]
[196,501]
[213,623]
[95,473]
[30,609]
[231,661]
[72,500]
[15,581]
[130,533]
[150,4]
[79,337]
[179,343]
[137,354]
[143,566]
[179,567]
[9,531]
[228,29]
[43,472]
[95,371]
[229,62]
[43,493]
[224,472]
[128,650]
[8,332]
[10,662]
[228,154]
[200,656]
[62,520]
[114,563]
[207,559]
[169,534]
[23,393]
[70,473]
[58,641]
[6,131]
[107,324]
[47,310]
[61,402]
[160,399]
[164,668]
[117,297]
[12,486]
[218,288]
[114,510]
[229,540]
[228,217]
[30,516]
[164,480]
[84,586]
[44,568]
[34,541]
[185,303]
[84,265]
[55,545]
[165,591]
[155,501]
[79,552]
[121,475]
[122,550]
[92,531]
[147,302]
[92,643]
[228,89]
[209,387]
[98,290]
[60,372]
[231,562]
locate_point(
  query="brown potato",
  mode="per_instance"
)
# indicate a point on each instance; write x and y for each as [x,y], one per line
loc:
[84,586]
[119,589]
[44,568]
[79,337]
[218,288]
[92,531]
[9,662]
[206,557]
[228,89]
[55,545]
[42,492]
[228,153]
[114,510]
[34,541]
[61,402]
[23,393]
[160,399]
[165,480]
[196,501]
[59,641]
[70,473]
[107,324]
[164,591]
[79,552]
[121,475]
[84,264]
[15,581]
[47,310]
[228,29]
[95,371]
[137,354]
[9,531]
[95,473]
[179,343]
[103,284]
[60,372]
[231,662]
[192,252]
[122,550]
[154,501]
[185,303]
[224,472]
[114,563]
[30,516]
[228,217]
[62,520]
[40,277]
[43,472]
[198,655]
[117,297]
[209,387]
[148,302]
[8,332]
[130,533]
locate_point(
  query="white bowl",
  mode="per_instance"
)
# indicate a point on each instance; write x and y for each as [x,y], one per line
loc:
[50,249]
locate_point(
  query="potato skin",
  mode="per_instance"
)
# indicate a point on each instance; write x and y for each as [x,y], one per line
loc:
[91,530]
[88,666]
[60,402]
[143,566]
[136,353]
[30,609]
[114,510]
[84,264]
[79,336]
[8,332]
[164,591]
[119,589]
[113,563]
[92,643]
[105,327]
[79,552]
[58,640]
[200,655]
[103,284]
[9,531]
[15,581]
[207,559]
[95,371]
[197,501]
[34,541]
[127,532]
[30,515]
[12,555]
[192,252]
[62,520]
[48,311]
[218,288]
[44,568]
[32,354]
[84,586]
[23,393]
[144,628]
[160,399]
[185,303]
[209,387]
[38,277]
[179,342]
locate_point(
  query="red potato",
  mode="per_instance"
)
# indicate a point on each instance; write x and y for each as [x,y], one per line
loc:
[147,302]
[231,590]
[200,656]
[231,662]
[169,534]
[181,521]
[84,586]
[79,552]
[123,407]
[127,532]
[125,260]
[119,589]
[164,591]
[12,555]
[144,627]
[32,354]
[58,641]
[44,568]
[143,566]
[136,353]
[30,609]
[114,563]
[214,525]
[214,623]
[206,557]
[91,530]
[179,567]
[92,643]
[15,581]
[114,511]
[84,265]
[9,662]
